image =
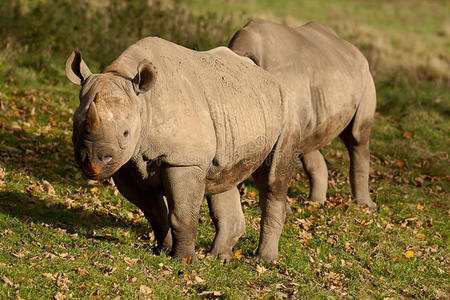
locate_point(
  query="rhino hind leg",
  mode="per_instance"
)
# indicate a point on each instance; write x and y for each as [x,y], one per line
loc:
[356,140]
[226,213]
[272,200]
[272,179]
[316,169]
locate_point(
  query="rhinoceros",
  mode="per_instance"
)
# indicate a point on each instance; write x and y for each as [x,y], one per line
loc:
[333,91]
[167,122]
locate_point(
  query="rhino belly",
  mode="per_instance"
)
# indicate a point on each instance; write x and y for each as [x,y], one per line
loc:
[232,175]
[222,175]
[319,135]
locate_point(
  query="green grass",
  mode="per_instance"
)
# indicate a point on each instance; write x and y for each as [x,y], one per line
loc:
[62,235]
[417,16]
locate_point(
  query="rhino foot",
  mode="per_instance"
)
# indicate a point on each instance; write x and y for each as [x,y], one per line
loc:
[225,255]
[189,258]
[372,206]
[268,249]
[269,257]
[320,200]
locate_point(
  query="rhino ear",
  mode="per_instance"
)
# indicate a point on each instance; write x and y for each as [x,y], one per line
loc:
[76,69]
[145,77]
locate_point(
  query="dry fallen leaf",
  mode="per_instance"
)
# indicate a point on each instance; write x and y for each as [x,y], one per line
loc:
[188,260]
[198,279]
[48,275]
[145,289]
[81,271]
[210,293]
[260,269]
[7,280]
[59,296]
[409,254]
[49,188]
[401,164]
[238,253]
[420,236]
[420,206]
[305,235]
[406,134]
[130,261]
[96,295]
[18,254]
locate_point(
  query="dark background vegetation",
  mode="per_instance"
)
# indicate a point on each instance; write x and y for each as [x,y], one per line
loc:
[45,31]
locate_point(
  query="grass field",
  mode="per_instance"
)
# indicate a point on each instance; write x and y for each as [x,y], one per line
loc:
[64,236]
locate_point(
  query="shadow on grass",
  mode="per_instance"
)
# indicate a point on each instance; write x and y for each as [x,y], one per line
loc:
[41,156]
[83,222]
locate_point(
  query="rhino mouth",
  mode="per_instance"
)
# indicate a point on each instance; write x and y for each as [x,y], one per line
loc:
[98,171]
[96,166]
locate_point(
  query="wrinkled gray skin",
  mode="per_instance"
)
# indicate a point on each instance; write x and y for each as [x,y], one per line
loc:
[168,122]
[333,90]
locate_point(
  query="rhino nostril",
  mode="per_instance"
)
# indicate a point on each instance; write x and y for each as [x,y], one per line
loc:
[106,159]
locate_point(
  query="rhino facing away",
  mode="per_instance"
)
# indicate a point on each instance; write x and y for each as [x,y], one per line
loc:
[333,90]
[169,122]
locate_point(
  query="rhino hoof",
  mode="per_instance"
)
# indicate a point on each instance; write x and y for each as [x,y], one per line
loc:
[186,257]
[225,255]
[369,204]
[266,257]
[319,200]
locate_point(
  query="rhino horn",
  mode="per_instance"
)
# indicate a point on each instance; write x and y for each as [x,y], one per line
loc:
[92,118]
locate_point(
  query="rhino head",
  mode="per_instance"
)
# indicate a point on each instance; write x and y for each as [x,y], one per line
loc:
[107,125]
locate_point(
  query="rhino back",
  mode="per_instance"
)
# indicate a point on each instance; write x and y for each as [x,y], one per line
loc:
[326,74]
[219,112]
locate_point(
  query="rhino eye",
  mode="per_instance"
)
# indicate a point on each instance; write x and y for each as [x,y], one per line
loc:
[125,133]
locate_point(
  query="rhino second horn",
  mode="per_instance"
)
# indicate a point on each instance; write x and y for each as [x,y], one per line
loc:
[92,118]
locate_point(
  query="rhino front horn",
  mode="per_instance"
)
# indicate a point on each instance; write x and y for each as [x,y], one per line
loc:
[92,118]
[145,77]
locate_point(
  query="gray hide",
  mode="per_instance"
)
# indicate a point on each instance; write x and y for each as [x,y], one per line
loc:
[166,121]
[333,90]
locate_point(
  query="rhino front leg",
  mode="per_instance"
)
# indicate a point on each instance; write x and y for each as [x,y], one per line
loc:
[153,205]
[158,216]
[185,188]
[226,213]
[316,168]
